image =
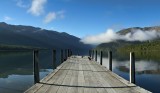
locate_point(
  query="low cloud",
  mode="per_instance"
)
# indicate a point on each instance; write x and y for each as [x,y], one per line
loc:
[110,36]
[37,7]
[21,4]
[53,16]
[7,18]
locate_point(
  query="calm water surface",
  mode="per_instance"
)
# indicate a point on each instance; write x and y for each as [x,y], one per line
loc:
[16,74]
[147,69]
[16,69]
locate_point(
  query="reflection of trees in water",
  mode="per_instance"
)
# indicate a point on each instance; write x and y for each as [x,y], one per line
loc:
[142,55]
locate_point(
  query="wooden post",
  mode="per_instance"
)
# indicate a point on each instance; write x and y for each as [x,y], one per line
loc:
[132,67]
[93,54]
[62,56]
[101,55]
[67,52]
[54,59]
[110,60]
[71,52]
[96,55]
[89,53]
[36,66]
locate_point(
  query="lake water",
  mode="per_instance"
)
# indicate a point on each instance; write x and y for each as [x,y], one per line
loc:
[147,69]
[16,73]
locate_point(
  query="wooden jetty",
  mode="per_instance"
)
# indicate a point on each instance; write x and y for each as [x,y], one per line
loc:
[78,74]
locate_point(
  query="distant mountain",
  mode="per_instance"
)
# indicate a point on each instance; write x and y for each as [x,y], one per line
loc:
[128,30]
[134,45]
[20,35]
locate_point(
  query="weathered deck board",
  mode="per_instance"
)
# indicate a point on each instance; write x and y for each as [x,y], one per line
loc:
[80,75]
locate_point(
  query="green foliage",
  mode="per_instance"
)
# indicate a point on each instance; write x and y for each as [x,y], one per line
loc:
[145,46]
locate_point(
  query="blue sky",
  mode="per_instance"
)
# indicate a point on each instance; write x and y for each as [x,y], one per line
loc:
[81,17]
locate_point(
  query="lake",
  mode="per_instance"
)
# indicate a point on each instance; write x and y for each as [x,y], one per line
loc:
[147,66]
[16,73]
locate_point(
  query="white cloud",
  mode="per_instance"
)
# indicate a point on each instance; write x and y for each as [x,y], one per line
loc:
[110,35]
[20,4]
[50,17]
[53,16]
[37,7]
[7,18]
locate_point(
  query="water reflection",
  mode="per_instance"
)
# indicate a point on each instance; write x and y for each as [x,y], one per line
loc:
[16,69]
[147,70]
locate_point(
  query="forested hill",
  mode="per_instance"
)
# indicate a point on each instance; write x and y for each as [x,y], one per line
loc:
[122,45]
[20,35]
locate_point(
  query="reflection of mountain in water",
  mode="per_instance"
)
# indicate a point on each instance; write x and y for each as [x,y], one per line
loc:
[21,63]
[142,67]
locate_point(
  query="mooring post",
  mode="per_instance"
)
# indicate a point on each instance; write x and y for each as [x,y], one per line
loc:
[89,53]
[93,54]
[132,67]
[36,66]
[101,55]
[54,58]
[61,55]
[65,52]
[96,55]
[68,52]
[110,60]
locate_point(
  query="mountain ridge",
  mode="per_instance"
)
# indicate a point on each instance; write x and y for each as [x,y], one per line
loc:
[38,37]
[128,45]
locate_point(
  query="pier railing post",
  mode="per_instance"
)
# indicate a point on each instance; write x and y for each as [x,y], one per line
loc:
[110,60]
[54,58]
[65,54]
[93,54]
[101,55]
[62,56]
[70,52]
[36,66]
[89,53]
[132,67]
[96,55]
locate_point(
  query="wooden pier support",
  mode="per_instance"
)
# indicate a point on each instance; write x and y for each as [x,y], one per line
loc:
[65,54]
[89,53]
[110,60]
[92,54]
[101,55]
[62,59]
[96,55]
[36,66]
[54,58]
[132,67]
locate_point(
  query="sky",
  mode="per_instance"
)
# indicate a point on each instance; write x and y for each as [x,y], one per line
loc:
[81,17]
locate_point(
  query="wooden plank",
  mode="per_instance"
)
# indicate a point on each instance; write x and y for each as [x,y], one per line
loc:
[57,82]
[66,81]
[74,80]
[39,85]
[46,85]
[81,80]
[88,81]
